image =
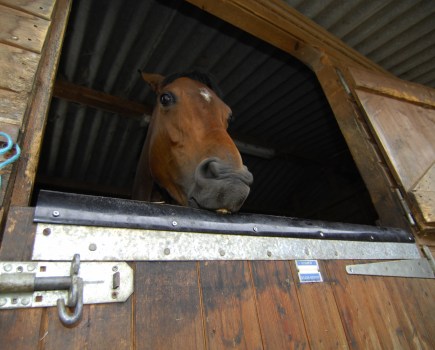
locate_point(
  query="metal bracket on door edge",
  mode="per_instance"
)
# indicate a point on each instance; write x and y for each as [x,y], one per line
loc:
[43,284]
[417,268]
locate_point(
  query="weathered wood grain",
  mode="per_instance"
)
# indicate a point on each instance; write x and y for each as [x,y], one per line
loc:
[320,312]
[230,314]
[17,242]
[39,106]
[424,196]
[382,312]
[40,8]
[167,313]
[405,132]
[22,30]
[103,326]
[19,329]
[392,86]
[12,106]
[280,317]
[17,68]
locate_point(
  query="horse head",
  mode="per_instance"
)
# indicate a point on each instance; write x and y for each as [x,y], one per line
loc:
[188,151]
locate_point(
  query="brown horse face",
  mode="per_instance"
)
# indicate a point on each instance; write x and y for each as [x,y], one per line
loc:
[191,154]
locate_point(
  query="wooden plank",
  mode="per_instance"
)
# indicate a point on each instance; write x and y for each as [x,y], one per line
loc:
[19,329]
[5,174]
[229,306]
[103,326]
[405,133]
[17,68]
[22,30]
[393,87]
[39,106]
[282,26]
[17,242]
[281,322]
[321,315]
[40,8]
[423,194]
[99,100]
[12,106]
[369,162]
[12,129]
[381,312]
[167,306]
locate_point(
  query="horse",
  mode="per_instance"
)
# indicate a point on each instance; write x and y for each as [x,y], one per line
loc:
[187,151]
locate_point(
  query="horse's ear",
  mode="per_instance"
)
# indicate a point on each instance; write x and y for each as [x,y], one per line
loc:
[154,80]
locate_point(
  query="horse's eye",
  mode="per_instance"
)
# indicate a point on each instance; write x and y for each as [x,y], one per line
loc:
[167,99]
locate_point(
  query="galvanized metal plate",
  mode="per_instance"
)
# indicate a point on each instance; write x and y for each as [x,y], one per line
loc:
[419,268]
[61,242]
[98,278]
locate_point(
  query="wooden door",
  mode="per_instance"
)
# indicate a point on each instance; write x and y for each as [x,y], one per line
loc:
[401,116]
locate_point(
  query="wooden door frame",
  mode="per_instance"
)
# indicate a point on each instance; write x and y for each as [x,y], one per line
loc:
[30,133]
[329,58]
[279,25]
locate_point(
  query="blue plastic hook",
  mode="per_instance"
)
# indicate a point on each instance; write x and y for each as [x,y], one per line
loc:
[7,148]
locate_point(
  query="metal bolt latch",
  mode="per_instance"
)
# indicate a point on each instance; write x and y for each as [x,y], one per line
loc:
[23,282]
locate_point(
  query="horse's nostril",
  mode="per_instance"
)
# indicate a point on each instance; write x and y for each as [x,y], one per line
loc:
[209,169]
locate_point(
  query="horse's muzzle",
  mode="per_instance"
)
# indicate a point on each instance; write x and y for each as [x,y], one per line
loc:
[217,185]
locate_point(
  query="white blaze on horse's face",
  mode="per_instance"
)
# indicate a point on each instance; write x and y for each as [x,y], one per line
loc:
[206,94]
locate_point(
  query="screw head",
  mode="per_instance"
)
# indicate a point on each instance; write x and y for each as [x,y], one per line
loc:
[92,247]
[56,213]
[46,231]
[167,251]
[255,228]
[221,252]
[174,223]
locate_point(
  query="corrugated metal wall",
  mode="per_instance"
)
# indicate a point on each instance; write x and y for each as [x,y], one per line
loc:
[277,103]
[399,35]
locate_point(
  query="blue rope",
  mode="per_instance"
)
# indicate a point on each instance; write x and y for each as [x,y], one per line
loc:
[8,147]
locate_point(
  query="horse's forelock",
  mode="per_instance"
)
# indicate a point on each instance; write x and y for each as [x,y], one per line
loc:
[201,77]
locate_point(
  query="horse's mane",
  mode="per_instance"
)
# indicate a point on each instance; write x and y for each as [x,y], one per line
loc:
[200,76]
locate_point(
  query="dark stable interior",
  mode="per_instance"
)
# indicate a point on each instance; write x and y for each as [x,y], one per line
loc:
[287,133]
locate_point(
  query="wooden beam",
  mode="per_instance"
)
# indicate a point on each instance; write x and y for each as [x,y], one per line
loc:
[282,26]
[99,100]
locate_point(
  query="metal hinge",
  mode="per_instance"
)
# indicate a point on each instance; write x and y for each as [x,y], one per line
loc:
[417,268]
[43,284]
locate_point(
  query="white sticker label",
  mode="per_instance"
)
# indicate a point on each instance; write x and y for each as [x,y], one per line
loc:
[308,271]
